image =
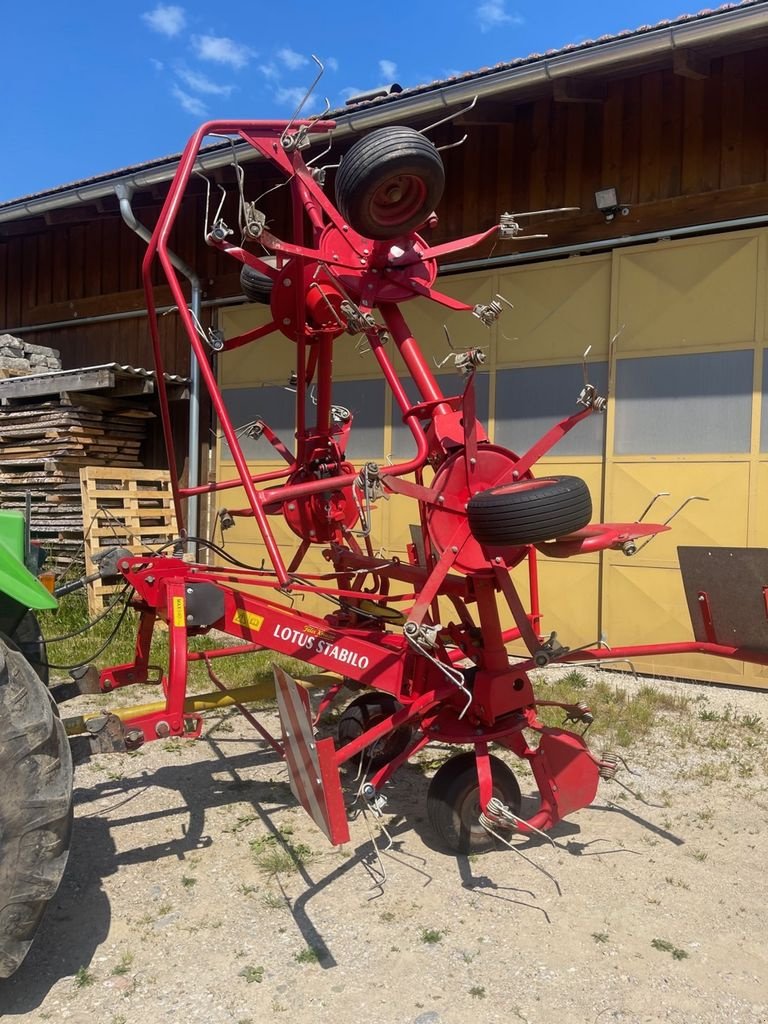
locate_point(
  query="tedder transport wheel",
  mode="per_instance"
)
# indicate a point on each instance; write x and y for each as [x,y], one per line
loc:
[389,182]
[453,802]
[364,712]
[255,286]
[529,511]
[35,804]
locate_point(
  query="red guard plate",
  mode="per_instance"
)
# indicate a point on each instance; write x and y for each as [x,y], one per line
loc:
[311,763]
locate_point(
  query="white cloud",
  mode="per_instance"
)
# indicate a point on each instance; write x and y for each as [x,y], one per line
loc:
[222,50]
[388,70]
[192,104]
[291,96]
[291,59]
[157,64]
[167,19]
[493,13]
[269,71]
[201,83]
[331,63]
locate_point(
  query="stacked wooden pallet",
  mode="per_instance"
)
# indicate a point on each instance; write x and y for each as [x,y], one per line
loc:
[128,508]
[53,425]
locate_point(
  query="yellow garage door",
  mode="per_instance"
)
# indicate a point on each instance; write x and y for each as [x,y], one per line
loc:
[688,381]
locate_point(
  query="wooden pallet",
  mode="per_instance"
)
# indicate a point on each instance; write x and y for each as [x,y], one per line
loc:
[131,508]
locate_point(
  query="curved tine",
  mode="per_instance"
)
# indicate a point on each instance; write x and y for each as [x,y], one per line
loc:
[327,149]
[453,145]
[307,94]
[319,116]
[207,200]
[450,117]
[280,184]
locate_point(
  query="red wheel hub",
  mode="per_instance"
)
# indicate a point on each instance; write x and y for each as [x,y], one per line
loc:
[494,465]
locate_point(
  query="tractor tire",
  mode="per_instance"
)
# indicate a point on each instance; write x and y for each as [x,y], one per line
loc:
[453,802]
[35,804]
[28,637]
[529,511]
[255,286]
[362,714]
[389,182]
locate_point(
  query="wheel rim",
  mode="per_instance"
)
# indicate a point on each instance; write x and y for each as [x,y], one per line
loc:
[398,199]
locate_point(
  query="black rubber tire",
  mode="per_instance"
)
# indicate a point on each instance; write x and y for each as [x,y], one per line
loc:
[360,715]
[529,511]
[28,637]
[255,286]
[453,805]
[35,804]
[389,182]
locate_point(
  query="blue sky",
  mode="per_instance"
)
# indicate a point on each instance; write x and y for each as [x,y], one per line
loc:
[94,85]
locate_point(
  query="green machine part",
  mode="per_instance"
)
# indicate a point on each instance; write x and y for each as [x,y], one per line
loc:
[17,583]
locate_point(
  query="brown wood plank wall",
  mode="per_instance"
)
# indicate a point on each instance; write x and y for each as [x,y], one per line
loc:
[667,142]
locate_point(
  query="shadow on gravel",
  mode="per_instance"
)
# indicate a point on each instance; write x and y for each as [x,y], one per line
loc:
[76,923]
[78,918]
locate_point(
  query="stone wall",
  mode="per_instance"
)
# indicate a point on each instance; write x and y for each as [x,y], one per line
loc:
[19,358]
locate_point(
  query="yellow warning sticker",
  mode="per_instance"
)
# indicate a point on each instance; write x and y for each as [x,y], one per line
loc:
[248,619]
[179,618]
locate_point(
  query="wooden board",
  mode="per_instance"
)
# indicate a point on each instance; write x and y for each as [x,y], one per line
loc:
[131,508]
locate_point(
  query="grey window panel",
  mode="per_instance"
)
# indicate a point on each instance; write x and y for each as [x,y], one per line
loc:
[532,399]
[365,400]
[274,405]
[403,444]
[764,406]
[679,405]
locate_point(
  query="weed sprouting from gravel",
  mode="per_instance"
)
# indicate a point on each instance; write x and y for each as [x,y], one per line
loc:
[621,718]
[431,936]
[477,992]
[188,881]
[274,900]
[665,946]
[123,965]
[83,978]
[753,722]
[678,883]
[310,955]
[252,974]
[699,855]
[600,936]
[276,856]
[242,822]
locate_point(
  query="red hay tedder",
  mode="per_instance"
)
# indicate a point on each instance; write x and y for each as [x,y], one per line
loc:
[421,638]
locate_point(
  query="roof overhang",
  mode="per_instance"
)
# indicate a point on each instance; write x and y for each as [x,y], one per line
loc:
[732,26]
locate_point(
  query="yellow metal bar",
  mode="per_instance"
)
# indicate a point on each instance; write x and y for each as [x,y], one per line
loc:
[213,701]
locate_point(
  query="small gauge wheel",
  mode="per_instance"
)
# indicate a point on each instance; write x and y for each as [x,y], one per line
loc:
[453,802]
[362,714]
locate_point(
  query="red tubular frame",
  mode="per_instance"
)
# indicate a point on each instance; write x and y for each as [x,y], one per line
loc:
[488,701]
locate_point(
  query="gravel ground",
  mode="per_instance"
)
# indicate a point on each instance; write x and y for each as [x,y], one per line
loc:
[198,891]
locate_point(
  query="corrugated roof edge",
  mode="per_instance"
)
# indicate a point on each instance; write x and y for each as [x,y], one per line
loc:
[414,91]
[119,368]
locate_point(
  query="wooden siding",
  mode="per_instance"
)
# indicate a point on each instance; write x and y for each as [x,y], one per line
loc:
[680,150]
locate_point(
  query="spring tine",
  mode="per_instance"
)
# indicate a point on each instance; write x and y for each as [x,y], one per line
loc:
[450,117]
[453,145]
[307,94]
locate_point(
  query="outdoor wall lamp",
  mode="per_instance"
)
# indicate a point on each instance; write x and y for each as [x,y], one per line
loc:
[607,202]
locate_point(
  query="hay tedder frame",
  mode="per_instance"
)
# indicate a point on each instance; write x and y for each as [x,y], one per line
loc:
[420,638]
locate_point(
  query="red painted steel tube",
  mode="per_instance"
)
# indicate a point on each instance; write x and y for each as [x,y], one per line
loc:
[413,356]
